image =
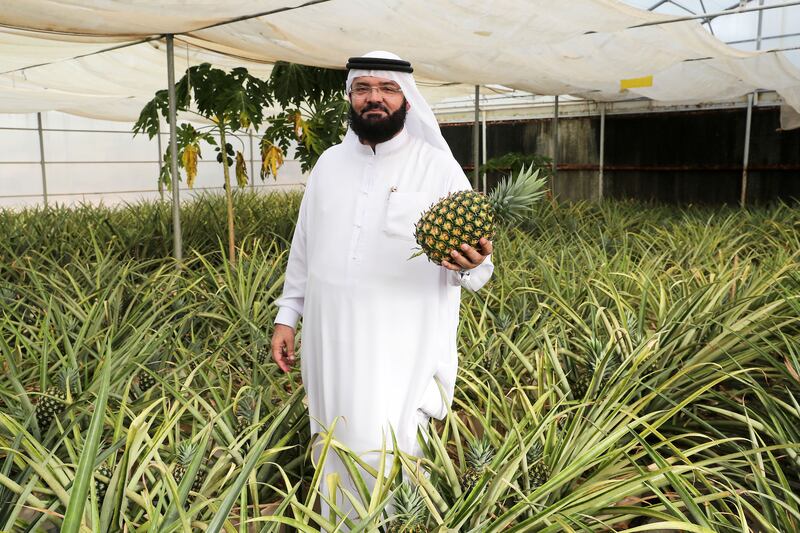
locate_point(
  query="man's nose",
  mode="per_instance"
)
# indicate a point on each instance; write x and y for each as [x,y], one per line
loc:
[375,96]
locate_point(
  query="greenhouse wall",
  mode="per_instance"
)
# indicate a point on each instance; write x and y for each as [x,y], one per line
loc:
[94,161]
[680,157]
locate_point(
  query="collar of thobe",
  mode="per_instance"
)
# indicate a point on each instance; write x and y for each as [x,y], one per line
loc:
[384,148]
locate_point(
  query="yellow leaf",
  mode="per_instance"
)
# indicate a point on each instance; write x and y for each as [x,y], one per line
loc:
[189,161]
[271,159]
[241,170]
[244,120]
[299,125]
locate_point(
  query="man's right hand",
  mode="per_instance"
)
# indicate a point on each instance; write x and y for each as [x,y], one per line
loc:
[283,346]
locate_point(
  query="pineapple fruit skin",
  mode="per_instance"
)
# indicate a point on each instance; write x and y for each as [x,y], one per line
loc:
[461,217]
[101,486]
[50,406]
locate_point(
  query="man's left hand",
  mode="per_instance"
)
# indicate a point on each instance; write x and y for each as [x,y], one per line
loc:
[468,257]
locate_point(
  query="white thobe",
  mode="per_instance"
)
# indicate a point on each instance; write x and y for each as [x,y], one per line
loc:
[379,330]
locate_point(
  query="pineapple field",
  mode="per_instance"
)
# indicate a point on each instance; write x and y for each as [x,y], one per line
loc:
[629,367]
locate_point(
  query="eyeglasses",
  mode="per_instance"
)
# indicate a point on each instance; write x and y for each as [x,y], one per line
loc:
[383,90]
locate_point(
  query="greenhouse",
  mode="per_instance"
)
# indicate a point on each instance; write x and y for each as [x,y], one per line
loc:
[400,266]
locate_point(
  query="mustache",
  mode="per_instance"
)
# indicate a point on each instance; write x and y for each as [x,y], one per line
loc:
[372,106]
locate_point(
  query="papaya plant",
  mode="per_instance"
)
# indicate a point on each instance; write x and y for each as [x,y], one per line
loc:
[232,101]
[313,111]
[311,116]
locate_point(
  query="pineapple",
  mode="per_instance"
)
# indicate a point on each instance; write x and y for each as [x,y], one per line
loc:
[538,471]
[245,413]
[54,400]
[145,376]
[478,456]
[410,512]
[263,351]
[467,216]
[101,486]
[184,455]
[581,381]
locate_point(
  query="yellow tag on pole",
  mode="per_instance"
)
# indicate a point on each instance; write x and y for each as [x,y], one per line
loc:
[633,83]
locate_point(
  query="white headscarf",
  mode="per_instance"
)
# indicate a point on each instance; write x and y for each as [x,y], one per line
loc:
[420,120]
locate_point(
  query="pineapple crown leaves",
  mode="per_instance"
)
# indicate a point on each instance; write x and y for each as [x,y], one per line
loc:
[246,405]
[67,378]
[480,452]
[410,509]
[515,196]
[535,453]
[184,452]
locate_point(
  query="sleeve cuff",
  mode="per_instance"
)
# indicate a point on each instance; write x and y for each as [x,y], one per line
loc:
[288,317]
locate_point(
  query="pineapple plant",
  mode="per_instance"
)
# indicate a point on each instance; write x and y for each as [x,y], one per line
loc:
[101,486]
[581,381]
[184,454]
[410,514]
[538,470]
[54,401]
[478,456]
[468,216]
[245,415]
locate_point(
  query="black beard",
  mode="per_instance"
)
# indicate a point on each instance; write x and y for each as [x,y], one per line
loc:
[377,130]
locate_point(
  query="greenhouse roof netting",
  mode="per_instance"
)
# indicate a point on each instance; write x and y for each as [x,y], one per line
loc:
[105,58]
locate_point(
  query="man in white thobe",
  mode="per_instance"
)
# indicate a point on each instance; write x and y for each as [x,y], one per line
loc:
[379,330]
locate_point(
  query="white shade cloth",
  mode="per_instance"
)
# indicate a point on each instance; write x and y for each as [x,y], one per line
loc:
[580,47]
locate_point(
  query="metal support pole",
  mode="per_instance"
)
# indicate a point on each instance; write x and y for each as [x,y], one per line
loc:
[749,123]
[600,185]
[173,146]
[743,198]
[555,140]
[252,165]
[476,134]
[160,183]
[41,158]
[483,147]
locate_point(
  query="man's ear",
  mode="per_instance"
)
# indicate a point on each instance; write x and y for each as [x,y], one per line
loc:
[408,105]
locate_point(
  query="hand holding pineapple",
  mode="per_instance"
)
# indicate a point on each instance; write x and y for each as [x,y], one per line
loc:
[468,257]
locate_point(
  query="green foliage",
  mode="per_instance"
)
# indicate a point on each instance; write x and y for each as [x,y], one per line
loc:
[515,162]
[314,110]
[688,319]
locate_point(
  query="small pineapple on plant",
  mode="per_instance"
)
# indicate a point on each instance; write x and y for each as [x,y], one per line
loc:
[538,470]
[54,401]
[146,378]
[100,485]
[478,456]
[580,380]
[596,362]
[410,514]
[184,454]
[245,414]
[467,216]
[263,351]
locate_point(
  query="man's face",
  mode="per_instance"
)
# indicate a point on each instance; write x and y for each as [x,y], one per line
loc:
[377,108]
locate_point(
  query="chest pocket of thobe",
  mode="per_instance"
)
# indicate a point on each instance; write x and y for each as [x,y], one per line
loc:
[403,210]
